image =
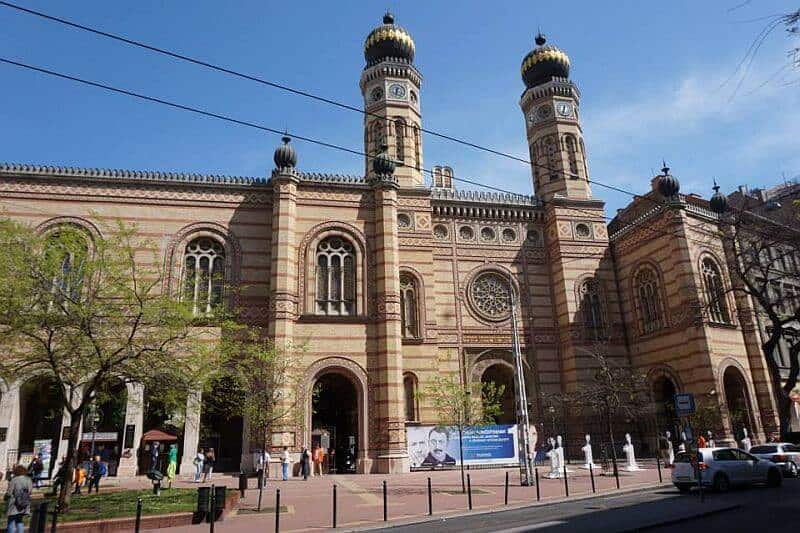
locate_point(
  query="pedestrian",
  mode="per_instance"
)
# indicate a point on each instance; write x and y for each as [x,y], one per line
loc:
[305,459]
[319,458]
[198,461]
[262,466]
[285,461]
[154,455]
[35,469]
[701,442]
[18,499]
[98,469]
[61,474]
[172,467]
[208,465]
[80,478]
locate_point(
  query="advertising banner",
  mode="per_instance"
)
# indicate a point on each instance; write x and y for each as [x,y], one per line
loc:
[44,449]
[438,446]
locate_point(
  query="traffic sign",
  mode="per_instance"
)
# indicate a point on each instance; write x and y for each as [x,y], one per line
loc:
[684,404]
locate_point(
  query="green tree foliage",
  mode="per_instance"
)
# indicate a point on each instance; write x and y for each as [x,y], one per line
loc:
[90,311]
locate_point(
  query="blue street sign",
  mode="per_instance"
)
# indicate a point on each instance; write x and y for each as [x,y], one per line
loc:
[684,404]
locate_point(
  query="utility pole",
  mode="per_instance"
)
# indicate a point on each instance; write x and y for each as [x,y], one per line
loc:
[523,423]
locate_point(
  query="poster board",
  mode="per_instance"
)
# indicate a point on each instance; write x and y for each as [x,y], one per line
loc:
[436,446]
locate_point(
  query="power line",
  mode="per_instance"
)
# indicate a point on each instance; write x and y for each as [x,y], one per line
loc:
[249,77]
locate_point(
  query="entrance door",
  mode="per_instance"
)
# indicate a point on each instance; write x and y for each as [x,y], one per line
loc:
[334,407]
[41,409]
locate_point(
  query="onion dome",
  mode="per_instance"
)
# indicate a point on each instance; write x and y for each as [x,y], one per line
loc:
[543,63]
[668,185]
[718,202]
[388,41]
[382,164]
[285,156]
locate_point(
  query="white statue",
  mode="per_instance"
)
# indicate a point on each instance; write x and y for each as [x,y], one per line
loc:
[630,457]
[710,440]
[746,442]
[587,454]
[682,445]
[561,460]
[670,452]
[553,455]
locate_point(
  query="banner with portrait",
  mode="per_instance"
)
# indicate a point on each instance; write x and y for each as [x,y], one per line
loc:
[438,446]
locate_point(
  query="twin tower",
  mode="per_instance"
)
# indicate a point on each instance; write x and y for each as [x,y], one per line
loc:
[390,85]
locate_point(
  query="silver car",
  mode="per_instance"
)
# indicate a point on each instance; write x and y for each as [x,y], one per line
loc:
[721,468]
[783,454]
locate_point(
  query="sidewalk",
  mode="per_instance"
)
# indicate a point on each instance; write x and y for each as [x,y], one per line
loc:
[307,505]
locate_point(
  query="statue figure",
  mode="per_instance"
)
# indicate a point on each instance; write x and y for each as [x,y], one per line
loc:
[630,457]
[746,442]
[561,460]
[670,451]
[710,440]
[552,454]
[587,454]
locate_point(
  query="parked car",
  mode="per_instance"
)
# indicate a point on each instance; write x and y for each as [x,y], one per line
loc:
[721,468]
[783,454]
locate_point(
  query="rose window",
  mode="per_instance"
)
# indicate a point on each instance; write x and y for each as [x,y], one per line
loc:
[491,296]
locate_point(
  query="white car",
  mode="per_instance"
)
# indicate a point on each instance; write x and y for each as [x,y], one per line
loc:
[721,468]
[783,454]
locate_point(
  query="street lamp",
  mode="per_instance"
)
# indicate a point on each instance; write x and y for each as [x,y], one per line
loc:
[523,422]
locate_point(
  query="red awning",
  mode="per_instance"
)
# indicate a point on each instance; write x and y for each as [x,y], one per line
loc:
[157,434]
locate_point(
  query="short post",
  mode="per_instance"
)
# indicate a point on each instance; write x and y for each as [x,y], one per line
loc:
[430,499]
[138,524]
[658,465]
[39,518]
[242,483]
[54,523]
[566,482]
[469,493]
[616,474]
[277,510]
[334,506]
[385,509]
[260,494]
[506,492]
[213,514]
[591,476]
[538,494]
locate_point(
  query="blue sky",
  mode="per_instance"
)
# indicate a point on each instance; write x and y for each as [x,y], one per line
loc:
[652,77]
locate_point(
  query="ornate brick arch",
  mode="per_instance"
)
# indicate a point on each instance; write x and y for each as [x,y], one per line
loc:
[84,225]
[357,376]
[419,285]
[750,395]
[664,371]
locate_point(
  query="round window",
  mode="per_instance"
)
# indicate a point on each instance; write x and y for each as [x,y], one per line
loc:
[403,220]
[487,234]
[532,236]
[466,233]
[490,295]
[440,231]
[509,235]
[583,230]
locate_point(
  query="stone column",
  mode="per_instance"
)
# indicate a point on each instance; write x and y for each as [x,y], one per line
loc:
[134,415]
[9,418]
[191,433]
[389,420]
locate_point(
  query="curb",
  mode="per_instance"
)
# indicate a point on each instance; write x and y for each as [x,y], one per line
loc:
[524,505]
[683,519]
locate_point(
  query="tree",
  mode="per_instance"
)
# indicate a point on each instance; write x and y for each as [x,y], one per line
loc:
[86,311]
[763,254]
[463,406]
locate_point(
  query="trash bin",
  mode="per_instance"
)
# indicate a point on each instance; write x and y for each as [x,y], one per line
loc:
[203,500]
[219,501]
[39,519]
[242,483]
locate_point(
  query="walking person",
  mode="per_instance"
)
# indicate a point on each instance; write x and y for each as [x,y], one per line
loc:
[208,465]
[319,458]
[35,469]
[79,479]
[262,467]
[61,476]
[98,470]
[154,455]
[305,459]
[172,467]
[198,461]
[18,499]
[285,461]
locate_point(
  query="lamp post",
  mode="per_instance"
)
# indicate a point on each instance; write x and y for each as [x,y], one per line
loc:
[523,422]
[94,418]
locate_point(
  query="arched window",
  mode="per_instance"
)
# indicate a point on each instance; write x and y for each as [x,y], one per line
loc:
[715,292]
[417,152]
[592,309]
[410,395]
[569,140]
[550,149]
[583,158]
[447,177]
[648,301]
[400,139]
[336,277]
[408,307]
[67,249]
[204,274]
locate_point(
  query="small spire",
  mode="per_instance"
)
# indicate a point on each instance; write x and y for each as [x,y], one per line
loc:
[715,187]
[664,168]
[388,18]
[286,139]
[540,38]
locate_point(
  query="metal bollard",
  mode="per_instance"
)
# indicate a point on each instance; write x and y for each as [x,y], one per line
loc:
[616,474]
[54,524]
[430,499]
[39,518]
[212,516]
[506,493]
[242,483]
[658,464]
[469,492]
[138,524]
[538,494]
[277,510]
[334,506]
[591,475]
[566,482]
[385,510]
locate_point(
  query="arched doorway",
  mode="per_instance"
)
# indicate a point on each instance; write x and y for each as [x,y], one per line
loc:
[104,424]
[736,399]
[165,412]
[334,413]
[221,427]
[666,418]
[41,408]
[503,375]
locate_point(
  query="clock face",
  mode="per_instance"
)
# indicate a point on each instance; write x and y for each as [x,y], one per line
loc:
[397,90]
[376,94]
[564,109]
[542,112]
